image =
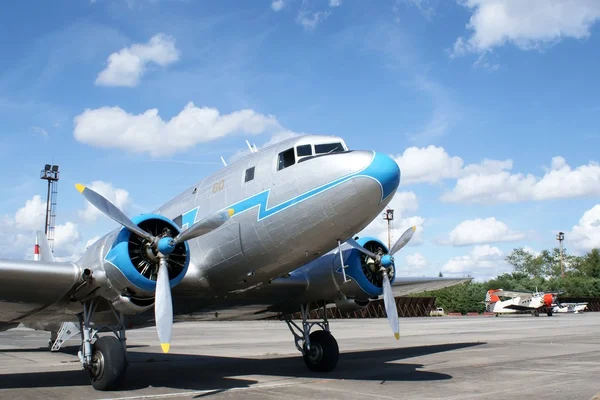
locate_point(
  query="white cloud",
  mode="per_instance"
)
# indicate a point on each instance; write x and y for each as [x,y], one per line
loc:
[119,197]
[423,5]
[65,234]
[112,127]
[478,231]
[586,234]
[335,3]
[482,262]
[39,130]
[403,203]
[32,215]
[528,24]
[277,5]
[428,164]
[432,164]
[310,20]
[128,65]
[416,260]
[18,231]
[560,181]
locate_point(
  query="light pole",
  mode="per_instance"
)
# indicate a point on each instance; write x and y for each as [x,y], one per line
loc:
[389,217]
[560,237]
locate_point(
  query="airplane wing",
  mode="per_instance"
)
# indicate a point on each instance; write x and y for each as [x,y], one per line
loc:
[403,286]
[518,307]
[28,287]
[510,293]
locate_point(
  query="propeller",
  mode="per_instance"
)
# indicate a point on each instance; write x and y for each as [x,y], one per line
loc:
[163,246]
[385,262]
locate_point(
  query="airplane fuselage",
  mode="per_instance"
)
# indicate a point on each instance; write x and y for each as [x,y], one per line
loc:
[289,209]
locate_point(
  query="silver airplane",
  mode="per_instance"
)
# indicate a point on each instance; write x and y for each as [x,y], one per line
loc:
[268,235]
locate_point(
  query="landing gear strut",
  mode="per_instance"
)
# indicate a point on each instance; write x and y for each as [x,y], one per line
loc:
[106,358]
[319,349]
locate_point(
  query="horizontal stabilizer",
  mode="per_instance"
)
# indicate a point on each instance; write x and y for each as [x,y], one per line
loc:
[403,286]
[45,252]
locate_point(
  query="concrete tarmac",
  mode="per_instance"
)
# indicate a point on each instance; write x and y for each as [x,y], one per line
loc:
[509,357]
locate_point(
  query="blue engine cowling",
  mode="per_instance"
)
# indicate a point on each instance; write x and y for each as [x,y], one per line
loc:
[132,256]
[366,276]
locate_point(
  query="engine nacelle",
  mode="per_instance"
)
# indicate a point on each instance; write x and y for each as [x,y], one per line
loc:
[365,279]
[130,266]
[351,305]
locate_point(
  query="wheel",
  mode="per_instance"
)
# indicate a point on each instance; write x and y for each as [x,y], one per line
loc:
[108,364]
[535,313]
[550,313]
[323,354]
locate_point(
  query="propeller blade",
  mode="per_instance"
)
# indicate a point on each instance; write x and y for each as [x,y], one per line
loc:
[163,307]
[205,225]
[401,242]
[358,247]
[390,306]
[110,210]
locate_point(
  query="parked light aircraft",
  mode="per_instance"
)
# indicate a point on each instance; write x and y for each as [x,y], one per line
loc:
[570,307]
[519,302]
[268,235]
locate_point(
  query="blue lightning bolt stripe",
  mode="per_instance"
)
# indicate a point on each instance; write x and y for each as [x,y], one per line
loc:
[378,170]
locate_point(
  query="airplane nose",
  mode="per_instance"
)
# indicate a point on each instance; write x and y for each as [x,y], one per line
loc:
[385,171]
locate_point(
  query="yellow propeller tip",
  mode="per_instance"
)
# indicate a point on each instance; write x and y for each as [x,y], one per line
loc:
[397,336]
[230,212]
[165,347]
[414,228]
[80,187]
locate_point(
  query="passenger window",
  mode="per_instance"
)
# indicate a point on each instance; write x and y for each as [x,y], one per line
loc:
[249,174]
[286,158]
[304,150]
[328,148]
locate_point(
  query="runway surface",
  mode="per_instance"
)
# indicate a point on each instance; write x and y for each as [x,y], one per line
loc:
[509,357]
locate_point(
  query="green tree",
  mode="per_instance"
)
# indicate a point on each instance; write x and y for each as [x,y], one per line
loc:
[524,262]
[589,265]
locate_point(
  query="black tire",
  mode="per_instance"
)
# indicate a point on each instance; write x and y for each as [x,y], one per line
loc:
[536,313]
[550,313]
[109,366]
[323,354]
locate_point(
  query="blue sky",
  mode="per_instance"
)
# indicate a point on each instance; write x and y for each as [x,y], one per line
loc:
[440,85]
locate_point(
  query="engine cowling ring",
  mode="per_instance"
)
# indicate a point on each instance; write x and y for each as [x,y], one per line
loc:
[122,254]
[368,279]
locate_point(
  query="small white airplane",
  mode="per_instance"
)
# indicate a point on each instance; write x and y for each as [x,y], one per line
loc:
[570,308]
[519,302]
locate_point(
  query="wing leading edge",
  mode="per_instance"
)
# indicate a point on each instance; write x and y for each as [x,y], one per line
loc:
[403,286]
[27,287]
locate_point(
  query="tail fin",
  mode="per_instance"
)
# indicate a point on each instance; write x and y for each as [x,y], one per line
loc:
[491,299]
[42,248]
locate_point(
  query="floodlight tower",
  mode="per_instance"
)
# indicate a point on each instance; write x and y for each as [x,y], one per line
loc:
[560,237]
[50,173]
[389,217]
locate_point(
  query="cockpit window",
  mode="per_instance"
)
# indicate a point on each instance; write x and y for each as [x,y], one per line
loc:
[286,158]
[328,148]
[304,150]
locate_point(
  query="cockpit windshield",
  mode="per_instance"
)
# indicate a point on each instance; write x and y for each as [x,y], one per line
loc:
[307,151]
[328,148]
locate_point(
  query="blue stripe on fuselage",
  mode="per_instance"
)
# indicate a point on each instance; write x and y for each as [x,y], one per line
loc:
[379,169]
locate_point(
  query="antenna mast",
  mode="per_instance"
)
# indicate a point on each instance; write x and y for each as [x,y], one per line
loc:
[50,173]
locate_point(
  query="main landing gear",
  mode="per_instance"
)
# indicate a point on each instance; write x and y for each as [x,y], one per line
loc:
[106,358]
[319,348]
